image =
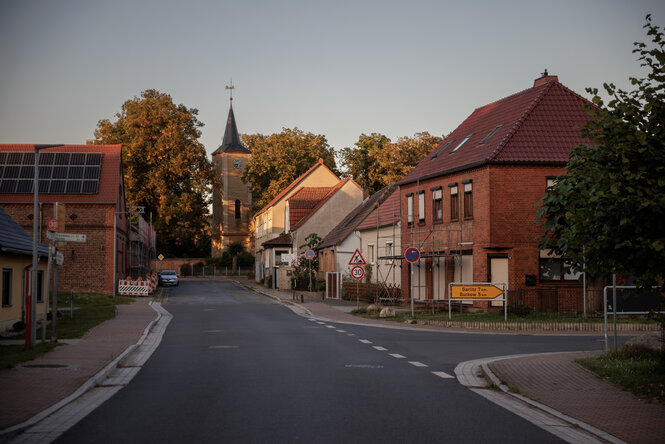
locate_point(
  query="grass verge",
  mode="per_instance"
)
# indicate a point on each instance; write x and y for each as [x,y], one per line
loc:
[12,355]
[635,368]
[442,315]
[89,310]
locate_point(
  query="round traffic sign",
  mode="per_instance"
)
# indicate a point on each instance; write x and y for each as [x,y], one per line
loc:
[53,225]
[309,254]
[412,254]
[357,272]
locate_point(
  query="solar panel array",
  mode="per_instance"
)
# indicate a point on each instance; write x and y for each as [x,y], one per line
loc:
[59,173]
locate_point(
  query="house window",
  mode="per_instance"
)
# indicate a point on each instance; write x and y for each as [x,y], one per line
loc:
[421,207]
[237,164]
[437,205]
[551,181]
[454,203]
[6,287]
[463,268]
[370,253]
[552,268]
[237,209]
[389,251]
[468,200]
[409,210]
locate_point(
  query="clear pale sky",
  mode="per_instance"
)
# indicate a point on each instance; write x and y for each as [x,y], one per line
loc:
[335,68]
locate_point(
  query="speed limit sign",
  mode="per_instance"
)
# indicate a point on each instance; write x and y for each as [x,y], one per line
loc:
[357,272]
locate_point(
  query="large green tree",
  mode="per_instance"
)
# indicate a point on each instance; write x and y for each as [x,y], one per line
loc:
[166,169]
[278,159]
[608,210]
[376,162]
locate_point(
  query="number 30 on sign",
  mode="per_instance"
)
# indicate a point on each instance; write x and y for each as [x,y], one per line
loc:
[357,272]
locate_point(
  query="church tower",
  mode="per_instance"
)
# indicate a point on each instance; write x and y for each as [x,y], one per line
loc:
[231,198]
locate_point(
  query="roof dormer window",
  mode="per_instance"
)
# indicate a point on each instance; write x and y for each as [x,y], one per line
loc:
[466,139]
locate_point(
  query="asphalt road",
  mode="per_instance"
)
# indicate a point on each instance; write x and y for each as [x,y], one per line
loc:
[234,366]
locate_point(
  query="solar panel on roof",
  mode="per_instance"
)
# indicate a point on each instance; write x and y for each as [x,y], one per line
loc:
[78,159]
[59,173]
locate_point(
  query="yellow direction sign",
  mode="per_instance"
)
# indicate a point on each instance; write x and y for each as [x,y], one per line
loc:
[475,291]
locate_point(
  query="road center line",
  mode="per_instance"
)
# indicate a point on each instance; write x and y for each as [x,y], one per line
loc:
[379,348]
[397,355]
[341,331]
[417,364]
[365,341]
[223,346]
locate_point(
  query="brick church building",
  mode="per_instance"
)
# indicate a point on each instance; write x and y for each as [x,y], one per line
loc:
[231,198]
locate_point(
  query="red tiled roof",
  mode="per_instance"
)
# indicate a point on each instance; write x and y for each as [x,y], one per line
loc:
[302,202]
[309,191]
[538,126]
[280,241]
[387,213]
[291,186]
[355,218]
[109,176]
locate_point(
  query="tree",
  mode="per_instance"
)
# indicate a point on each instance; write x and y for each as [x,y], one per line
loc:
[278,159]
[377,162]
[166,169]
[607,210]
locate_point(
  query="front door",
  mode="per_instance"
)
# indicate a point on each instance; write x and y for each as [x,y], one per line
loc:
[499,270]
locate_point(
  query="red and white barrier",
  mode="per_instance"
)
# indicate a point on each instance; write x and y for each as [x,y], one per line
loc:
[134,288]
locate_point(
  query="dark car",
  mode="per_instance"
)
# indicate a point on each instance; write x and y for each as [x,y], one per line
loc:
[168,277]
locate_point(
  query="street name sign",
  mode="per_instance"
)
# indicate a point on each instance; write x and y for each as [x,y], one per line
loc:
[66,237]
[475,291]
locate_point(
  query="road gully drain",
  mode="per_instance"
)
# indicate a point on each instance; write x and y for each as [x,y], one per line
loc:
[53,366]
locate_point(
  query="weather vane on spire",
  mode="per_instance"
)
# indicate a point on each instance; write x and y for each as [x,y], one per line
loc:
[230,88]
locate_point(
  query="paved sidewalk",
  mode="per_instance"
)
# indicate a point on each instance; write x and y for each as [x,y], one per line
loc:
[27,391]
[558,382]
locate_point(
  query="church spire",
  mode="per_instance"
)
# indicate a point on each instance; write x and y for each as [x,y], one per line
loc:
[231,140]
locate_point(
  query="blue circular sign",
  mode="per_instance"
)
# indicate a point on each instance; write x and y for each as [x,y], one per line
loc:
[412,254]
[309,254]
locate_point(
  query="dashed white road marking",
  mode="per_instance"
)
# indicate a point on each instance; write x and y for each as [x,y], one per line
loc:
[350,334]
[214,331]
[443,375]
[341,331]
[310,319]
[397,355]
[365,341]
[320,323]
[417,364]
[379,348]
[223,346]
[330,326]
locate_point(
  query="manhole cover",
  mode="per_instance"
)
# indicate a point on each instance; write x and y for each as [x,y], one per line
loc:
[45,366]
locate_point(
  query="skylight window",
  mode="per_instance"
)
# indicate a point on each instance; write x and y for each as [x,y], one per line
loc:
[466,139]
[441,149]
[493,132]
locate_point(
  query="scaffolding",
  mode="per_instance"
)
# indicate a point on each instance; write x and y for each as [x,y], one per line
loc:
[435,242]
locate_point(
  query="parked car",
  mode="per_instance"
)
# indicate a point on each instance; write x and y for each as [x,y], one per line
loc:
[168,277]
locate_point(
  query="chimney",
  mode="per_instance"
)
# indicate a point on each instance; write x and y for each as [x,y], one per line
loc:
[544,78]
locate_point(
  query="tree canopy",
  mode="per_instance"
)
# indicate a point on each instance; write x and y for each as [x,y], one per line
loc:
[278,159]
[376,162]
[166,169]
[608,210]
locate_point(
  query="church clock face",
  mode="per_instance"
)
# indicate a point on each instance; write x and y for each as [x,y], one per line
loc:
[237,164]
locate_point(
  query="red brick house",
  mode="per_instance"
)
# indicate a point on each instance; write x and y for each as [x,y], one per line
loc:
[88,180]
[470,204]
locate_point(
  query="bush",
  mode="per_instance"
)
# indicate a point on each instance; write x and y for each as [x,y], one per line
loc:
[320,284]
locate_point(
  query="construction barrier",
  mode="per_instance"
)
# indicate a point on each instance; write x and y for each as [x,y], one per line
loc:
[134,288]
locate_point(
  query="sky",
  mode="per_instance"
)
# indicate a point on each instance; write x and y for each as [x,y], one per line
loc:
[336,68]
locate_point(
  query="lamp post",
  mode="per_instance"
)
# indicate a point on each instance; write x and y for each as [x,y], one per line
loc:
[30,338]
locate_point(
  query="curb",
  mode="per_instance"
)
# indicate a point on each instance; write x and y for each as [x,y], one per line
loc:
[291,305]
[468,375]
[13,431]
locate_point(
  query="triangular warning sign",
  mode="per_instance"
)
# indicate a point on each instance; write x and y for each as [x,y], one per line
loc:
[357,259]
